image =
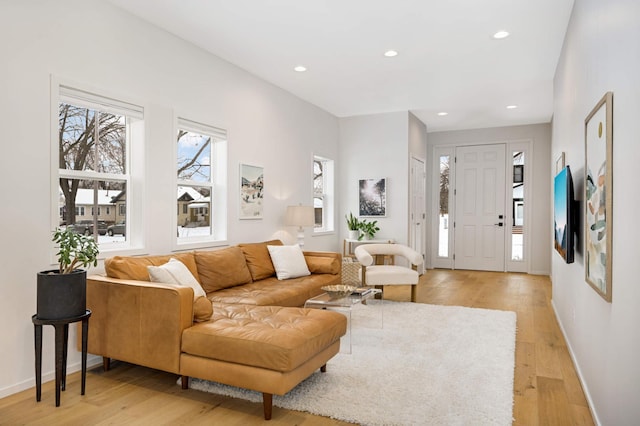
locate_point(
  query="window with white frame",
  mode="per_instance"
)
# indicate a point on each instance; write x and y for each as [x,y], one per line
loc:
[323,199]
[95,137]
[201,182]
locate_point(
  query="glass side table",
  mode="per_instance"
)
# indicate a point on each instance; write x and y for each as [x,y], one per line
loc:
[345,305]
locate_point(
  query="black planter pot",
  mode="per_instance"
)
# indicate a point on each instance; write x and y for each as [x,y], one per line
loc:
[61,295]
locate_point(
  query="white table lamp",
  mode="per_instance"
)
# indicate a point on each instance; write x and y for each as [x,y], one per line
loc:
[302,217]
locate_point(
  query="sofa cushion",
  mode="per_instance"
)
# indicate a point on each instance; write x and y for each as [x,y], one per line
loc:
[176,273]
[269,337]
[258,259]
[322,264]
[270,291]
[202,309]
[135,268]
[288,261]
[223,268]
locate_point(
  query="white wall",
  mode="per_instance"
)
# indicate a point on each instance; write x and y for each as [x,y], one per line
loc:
[376,146]
[98,46]
[540,137]
[600,54]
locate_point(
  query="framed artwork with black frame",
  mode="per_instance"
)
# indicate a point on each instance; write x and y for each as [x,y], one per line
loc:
[372,197]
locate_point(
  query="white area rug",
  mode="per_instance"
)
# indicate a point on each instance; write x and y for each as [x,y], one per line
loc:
[429,365]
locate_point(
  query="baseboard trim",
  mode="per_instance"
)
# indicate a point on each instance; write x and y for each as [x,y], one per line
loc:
[48,376]
[583,383]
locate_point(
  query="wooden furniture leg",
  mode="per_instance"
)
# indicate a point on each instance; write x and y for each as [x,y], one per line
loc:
[267,403]
[85,335]
[37,331]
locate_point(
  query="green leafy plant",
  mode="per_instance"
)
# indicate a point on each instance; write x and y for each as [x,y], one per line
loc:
[369,228]
[353,224]
[74,250]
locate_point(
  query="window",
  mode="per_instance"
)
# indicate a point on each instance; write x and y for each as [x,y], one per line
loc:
[201,183]
[443,209]
[94,140]
[323,194]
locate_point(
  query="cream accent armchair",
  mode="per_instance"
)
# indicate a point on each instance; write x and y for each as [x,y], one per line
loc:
[372,274]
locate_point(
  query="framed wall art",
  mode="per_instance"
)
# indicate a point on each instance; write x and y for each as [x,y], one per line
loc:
[372,198]
[598,190]
[251,191]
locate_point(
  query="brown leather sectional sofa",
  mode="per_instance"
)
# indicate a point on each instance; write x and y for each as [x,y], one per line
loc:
[258,336]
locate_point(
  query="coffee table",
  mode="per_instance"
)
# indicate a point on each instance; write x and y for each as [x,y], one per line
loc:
[345,305]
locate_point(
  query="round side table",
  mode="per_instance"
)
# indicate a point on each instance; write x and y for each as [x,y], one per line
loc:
[61,340]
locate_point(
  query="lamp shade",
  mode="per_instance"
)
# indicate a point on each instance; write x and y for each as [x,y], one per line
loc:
[302,216]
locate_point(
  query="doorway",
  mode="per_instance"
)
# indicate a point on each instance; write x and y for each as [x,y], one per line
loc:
[480,208]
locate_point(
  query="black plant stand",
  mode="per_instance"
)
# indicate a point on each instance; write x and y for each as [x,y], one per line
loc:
[62,339]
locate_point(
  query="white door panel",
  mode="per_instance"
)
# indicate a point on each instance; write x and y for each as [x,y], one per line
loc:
[480,201]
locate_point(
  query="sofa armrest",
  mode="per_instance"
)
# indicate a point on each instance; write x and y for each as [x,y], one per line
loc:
[324,262]
[138,322]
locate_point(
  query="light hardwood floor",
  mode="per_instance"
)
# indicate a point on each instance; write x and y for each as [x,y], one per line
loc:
[546,388]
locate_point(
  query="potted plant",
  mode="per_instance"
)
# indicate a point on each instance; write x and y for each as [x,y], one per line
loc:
[62,292]
[353,225]
[369,229]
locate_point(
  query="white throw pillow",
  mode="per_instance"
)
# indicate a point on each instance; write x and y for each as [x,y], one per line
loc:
[288,261]
[175,272]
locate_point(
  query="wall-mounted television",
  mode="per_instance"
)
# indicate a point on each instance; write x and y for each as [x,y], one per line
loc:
[564,214]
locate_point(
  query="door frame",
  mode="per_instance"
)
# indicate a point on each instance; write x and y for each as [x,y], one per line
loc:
[524,145]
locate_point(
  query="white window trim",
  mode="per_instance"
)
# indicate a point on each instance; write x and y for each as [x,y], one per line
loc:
[219,201]
[63,89]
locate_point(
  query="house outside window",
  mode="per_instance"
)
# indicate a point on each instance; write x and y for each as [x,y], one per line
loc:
[201,183]
[95,136]
[323,195]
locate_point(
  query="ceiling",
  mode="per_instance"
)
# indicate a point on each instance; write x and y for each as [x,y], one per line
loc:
[448,60]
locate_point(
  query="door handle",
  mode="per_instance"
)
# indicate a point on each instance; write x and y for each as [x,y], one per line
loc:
[498,224]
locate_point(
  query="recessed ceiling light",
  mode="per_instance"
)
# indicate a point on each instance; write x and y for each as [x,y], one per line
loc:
[390,53]
[300,68]
[442,114]
[512,106]
[501,34]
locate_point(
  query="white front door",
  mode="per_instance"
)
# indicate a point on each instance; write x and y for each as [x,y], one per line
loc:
[418,212]
[480,208]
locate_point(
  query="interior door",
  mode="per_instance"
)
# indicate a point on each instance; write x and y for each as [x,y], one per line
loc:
[479,226]
[418,212]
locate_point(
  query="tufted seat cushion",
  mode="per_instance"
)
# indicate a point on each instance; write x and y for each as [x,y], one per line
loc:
[271,291]
[391,274]
[270,337]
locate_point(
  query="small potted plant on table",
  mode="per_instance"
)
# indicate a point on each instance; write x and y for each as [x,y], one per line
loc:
[353,225]
[62,292]
[369,229]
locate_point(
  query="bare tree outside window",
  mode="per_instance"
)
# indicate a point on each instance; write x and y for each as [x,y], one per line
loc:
[194,156]
[89,140]
[318,192]
[444,185]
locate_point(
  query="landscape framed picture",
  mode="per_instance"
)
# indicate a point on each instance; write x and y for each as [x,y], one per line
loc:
[598,190]
[251,191]
[372,198]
